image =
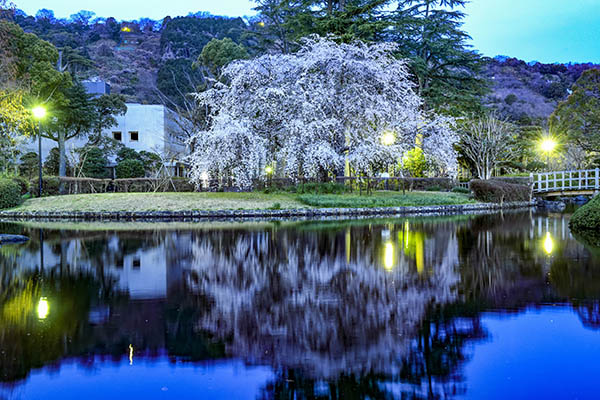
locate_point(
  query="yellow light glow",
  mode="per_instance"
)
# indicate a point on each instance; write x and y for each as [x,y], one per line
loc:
[125,29]
[43,308]
[261,24]
[38,112]
[269,170]
[548,244]
[130,354]
[548,145]
[388,138]
[388,256]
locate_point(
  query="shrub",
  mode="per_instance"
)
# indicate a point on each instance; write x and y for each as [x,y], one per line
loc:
[130,168]
[458,189]
[49,186]
[587,217]
[152,161]
[29,164]
[510,99]
[434,188]
[127,153]
[494,191]
[415,163]
[94,164]
[10,193]
[23,184]
[319,188]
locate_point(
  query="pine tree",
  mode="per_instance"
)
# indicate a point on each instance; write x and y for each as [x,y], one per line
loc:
[445,67]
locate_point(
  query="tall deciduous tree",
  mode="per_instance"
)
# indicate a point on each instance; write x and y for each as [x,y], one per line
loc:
[308,113]
[486,142]
[579,115]
[430,33]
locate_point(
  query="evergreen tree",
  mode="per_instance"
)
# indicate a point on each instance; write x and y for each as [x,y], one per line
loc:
[446,69]
[579,115]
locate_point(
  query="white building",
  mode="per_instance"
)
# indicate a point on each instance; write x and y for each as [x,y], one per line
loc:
[144,127]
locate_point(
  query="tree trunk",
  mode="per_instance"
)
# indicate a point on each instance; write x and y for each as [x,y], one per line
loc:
[62,160]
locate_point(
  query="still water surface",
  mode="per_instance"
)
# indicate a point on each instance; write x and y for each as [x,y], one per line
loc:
[494,306]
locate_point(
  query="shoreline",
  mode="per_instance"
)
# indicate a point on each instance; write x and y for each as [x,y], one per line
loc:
[128,216]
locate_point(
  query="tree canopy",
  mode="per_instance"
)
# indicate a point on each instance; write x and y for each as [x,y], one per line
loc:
[307,113]
[579,116]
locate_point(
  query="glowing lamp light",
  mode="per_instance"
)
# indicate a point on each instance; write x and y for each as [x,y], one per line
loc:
[125,29]
[43,308]
[548,145]
[38,112]
[269,170]
[388,256]
[388,138]
[548,244]
[261,24]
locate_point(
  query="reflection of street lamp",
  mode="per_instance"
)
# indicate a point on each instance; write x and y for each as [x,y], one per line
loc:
[388,255]
[39,113]
[548,244]
[43,308]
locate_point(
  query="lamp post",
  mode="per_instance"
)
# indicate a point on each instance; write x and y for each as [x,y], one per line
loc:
[39,113]
[548,145]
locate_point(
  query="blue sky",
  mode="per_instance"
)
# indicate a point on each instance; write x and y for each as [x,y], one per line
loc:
[542,30]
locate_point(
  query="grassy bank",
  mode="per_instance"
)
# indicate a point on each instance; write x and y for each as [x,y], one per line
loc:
[233,201]
[384,199]
[586,220]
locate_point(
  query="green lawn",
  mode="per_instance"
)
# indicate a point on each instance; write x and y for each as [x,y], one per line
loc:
[385,199]
[233,201]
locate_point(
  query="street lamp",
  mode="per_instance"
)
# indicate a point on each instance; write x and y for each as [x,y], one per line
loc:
[548,145]
[39,113]
[388,138]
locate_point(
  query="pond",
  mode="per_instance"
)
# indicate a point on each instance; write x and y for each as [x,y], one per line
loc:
[491,306]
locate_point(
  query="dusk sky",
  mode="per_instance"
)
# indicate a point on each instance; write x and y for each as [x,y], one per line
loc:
[542,30]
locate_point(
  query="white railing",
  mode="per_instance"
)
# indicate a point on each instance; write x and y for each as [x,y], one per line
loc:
[566,181]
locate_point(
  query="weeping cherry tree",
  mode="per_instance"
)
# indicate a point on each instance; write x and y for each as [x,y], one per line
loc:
[304,115]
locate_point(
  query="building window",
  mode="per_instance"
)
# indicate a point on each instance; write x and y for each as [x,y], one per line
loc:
[134,136]
[117,136]
[137,263]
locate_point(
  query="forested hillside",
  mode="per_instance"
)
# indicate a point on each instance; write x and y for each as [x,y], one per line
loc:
[528,93]
[140,59]
[152,61]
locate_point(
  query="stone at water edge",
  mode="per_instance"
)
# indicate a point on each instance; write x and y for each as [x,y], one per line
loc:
[5,239]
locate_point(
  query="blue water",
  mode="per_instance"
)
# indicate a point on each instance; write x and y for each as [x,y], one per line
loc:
[493,306]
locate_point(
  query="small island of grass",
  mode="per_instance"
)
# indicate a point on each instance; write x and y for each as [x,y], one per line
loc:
[142,202]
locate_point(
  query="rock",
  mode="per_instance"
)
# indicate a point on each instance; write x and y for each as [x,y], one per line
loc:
[581,199]
[4,239]
[555,206]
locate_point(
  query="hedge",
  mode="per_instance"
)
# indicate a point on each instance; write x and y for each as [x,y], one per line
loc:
[495,191]
[587,217]
[10,193]
[94,185]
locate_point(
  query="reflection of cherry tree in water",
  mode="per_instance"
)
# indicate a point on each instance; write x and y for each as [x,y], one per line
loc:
[303,303]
